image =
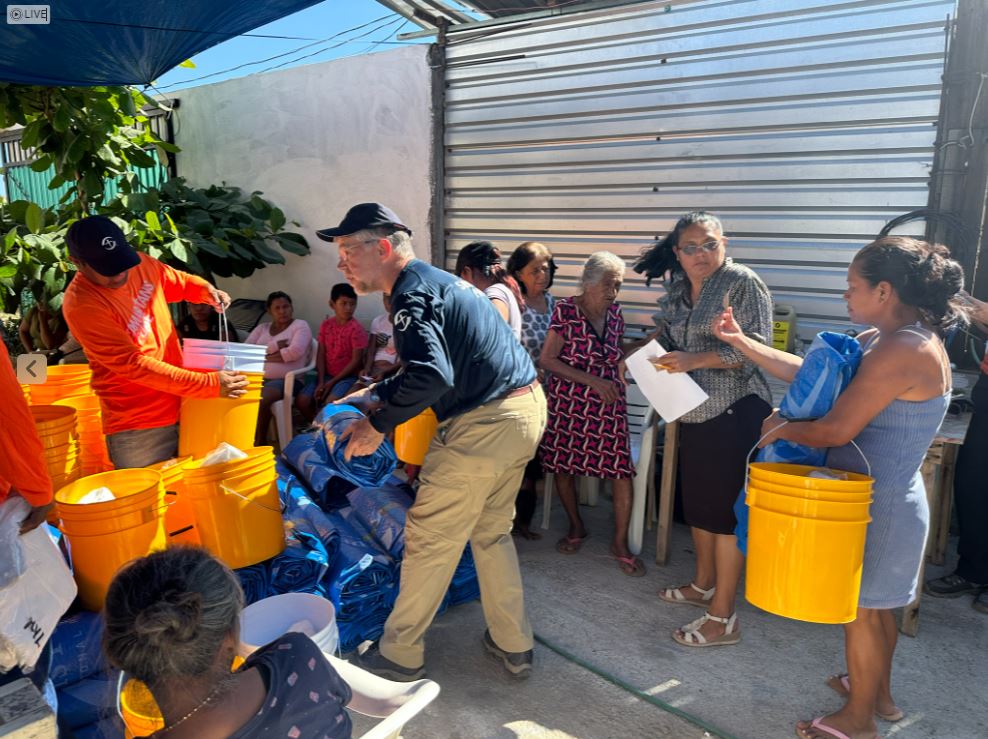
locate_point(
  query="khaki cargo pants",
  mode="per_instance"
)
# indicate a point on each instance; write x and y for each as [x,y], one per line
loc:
[467,491]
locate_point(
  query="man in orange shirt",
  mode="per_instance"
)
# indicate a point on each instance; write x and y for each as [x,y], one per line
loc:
[117,308]
[23,472]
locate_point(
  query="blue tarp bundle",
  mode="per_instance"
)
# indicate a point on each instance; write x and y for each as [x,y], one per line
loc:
[75,648]
[827,369]
[382,511]
[301,568]
[87,701]
[318,456]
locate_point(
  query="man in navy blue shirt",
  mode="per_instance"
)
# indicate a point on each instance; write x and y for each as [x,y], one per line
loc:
[459,357]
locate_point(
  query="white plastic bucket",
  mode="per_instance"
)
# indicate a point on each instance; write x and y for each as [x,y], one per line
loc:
[206,354]
[263,622]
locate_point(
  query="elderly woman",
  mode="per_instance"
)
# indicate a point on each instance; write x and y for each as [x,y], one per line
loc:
[287,339]
[908,291]
[173,621]
[587,433]
[715,438]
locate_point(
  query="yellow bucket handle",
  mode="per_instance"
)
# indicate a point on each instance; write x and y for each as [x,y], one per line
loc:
[747,476]
[225,489]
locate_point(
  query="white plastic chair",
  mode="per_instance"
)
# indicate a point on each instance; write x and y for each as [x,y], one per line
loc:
[374,696]
[281,410]
[641,428]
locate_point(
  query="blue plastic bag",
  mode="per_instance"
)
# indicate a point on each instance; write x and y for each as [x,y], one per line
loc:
[828,369]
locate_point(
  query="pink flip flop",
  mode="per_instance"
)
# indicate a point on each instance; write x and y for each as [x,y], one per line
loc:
[818,724]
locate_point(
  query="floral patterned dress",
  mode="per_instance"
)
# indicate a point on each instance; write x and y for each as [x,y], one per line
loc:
[584,436]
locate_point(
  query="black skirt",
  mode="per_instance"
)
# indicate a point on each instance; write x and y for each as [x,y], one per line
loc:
[713,463]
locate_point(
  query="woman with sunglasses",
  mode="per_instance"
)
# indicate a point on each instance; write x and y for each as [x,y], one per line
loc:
[715,438]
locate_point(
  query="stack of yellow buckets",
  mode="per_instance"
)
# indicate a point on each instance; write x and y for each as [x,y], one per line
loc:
[56,428]
[806,538]
[64,381]
[89,425]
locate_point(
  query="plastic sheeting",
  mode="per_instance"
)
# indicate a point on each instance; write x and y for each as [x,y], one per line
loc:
[117,42]
[319,456]
[827,370]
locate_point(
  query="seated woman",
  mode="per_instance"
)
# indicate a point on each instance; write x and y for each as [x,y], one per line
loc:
[173,622]
[908,291]
[288,340]
[203,322]
[479,263]
[587,433]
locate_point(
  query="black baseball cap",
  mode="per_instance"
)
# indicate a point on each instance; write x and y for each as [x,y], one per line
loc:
[101,244]
[364,215]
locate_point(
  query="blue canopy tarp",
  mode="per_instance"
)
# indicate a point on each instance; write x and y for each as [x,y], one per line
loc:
[120,42]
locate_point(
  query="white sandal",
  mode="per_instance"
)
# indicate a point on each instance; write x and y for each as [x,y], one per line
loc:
[693,638]
[675,595]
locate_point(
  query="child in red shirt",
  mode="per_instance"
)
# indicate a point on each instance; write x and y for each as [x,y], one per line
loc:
[342,341]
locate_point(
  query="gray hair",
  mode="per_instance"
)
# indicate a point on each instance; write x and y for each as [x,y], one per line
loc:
[168,614]
[599,265]
[401,241]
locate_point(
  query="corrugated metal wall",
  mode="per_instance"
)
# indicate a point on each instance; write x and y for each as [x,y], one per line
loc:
[804,125]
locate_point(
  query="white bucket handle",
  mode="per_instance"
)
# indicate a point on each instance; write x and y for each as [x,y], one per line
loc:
[225,489]
[119,705]
[747,476]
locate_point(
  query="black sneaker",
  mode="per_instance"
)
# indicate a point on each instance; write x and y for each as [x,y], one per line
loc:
[951,586]
[981,602]
[519,664]
[373,661]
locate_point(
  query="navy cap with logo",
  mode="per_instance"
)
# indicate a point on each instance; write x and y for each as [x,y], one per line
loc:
[99,242]
[364,215]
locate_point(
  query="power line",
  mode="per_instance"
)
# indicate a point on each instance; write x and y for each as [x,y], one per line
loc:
[334,46]
[279,56]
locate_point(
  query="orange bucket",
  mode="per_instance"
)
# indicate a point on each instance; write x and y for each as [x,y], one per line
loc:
[413,437]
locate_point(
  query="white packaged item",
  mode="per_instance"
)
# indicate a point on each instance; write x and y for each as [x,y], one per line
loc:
[223,453]
[31,606]
[99,495]
[828,474]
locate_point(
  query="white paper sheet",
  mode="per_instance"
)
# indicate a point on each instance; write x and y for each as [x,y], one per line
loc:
[672,395]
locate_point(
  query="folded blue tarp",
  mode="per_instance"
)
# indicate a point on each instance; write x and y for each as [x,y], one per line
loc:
[88,701]
[827,369]
[320,455]
[75,648]
[382,511]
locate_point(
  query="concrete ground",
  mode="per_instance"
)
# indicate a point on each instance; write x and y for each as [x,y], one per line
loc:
[758,688]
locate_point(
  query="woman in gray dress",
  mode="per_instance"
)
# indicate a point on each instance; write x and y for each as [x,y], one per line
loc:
[907,290]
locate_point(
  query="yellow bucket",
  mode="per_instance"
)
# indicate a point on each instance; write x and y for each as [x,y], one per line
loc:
[803,568]
[792,505]
[805,552]
[139,710]
[238,517]
[834,496]
[257,457]
[413,437]
[204,423]
[102,537]
[179,518]
[796,476]
[63,381]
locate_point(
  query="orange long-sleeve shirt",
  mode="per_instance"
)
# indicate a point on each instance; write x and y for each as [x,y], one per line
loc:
[133,347]
[22,458]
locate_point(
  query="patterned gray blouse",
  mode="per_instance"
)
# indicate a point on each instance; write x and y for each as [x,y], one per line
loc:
[685,327]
